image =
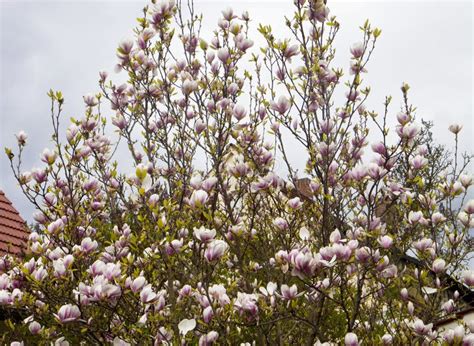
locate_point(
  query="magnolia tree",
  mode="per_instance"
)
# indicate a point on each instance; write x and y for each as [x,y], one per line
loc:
[207,242]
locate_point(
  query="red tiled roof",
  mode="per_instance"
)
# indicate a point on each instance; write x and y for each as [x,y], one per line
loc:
[13,230]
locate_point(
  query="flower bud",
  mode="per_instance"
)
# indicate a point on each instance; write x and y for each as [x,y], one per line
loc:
[21,137]
[357,50]
[455,128]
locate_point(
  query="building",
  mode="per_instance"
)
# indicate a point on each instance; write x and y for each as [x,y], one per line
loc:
[13,230]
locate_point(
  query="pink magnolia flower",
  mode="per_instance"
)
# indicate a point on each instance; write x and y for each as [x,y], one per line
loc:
[342,252]
[387,339]
[119,121]
[439,265]
[196,181]
[59,268]
[90,100]
[362,254]
[408,131]
[21,138]
[357,50]
[423,244]
[390,271]
[246,303]
[112,270]
[469,208]
[420,328]
[304,264]
[239,112]
[34,328]
[209,338]
[4,281]
[97,268]
[210,55]
[468,339]
[39,175]
[71,132]
[219,293]
[153,200]
[437,218]
[280,223]
[5,297]
[207,314]
[327,253]
[466,180]
[295,203]
[68,313]
[404,294]
[215,250]
[281,106]
[464,218]
[327,127]
[351,340]
[209,183]
[352,95]
[189,86]
[335,237]
[291,51]
[233,88]
[448,306]
[48,156]
[198,198]
[415,217]
[147,295]
[88,245]
[238,168]
[319,12]
[174,246]
[379,148]
[223,55]
[468,278]
[275,127]
[455,336]
[203,234]
[289,293]
[418,162]
[185,291]
[55,226]
[269,290]
[385,241]
[125,46]
[228,14]
[137,284]
[244,44]
[403,118]
[101,290]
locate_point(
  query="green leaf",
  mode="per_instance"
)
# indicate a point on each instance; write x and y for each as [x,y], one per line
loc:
[9,153]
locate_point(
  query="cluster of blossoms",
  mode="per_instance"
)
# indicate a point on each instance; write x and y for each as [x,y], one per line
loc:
[209,240]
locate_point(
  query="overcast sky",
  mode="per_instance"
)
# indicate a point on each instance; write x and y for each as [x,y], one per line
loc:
[63,44]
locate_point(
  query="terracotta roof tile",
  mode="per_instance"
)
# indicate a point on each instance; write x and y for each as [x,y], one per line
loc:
[13,230]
